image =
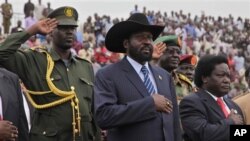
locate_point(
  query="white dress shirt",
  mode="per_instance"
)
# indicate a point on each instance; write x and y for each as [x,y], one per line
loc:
[26,110]
[137,66]
[215,98]
[1,108]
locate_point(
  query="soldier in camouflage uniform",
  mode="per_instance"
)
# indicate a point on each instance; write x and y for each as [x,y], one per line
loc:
[170,60]
[185,72]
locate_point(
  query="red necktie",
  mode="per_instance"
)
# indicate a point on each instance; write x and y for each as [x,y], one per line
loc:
[222,106]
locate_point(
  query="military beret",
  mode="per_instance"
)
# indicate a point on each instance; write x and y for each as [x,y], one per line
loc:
[65,15]
[188,59]
[170,40]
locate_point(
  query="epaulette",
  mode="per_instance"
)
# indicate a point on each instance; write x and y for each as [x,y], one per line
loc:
[175,78]
[39,48]
[80,58]
[184,78]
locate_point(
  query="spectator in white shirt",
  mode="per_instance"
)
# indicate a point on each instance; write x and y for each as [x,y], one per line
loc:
[38,12]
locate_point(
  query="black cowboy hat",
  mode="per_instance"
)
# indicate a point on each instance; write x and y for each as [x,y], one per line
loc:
[122,30]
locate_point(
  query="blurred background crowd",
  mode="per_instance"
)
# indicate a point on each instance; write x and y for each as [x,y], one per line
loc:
[200,34]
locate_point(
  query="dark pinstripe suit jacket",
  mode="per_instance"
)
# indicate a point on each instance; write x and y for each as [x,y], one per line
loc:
[203,120]
[12,103]
[123,106]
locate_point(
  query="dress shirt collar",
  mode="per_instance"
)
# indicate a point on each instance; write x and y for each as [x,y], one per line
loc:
[215,97]
[137,66]
[55,56]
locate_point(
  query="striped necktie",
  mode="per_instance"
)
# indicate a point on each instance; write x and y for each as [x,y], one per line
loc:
[147,82]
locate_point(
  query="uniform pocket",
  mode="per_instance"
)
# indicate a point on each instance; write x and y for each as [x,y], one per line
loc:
[86,81]
[44,128]
[37,134]
[87,88]
[89,127]
[56,78]
[49,132]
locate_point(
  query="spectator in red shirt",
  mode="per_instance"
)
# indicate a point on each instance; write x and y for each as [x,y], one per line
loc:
[230,61]
[102,54]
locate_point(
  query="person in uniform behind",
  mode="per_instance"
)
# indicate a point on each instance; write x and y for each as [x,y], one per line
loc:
[59,85]
[185,72]
[7,13]
[243,99]
[170,58]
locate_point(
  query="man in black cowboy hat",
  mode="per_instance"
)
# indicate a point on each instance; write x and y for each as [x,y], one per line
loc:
[133,100]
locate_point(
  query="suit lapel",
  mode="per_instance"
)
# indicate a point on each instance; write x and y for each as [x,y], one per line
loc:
[230,104]
[211,103]
[4,94]
[133,77]
[158,79]
[5,100]
[2,100]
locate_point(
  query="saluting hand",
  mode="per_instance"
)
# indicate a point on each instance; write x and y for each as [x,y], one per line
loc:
[159,48]
[43,27]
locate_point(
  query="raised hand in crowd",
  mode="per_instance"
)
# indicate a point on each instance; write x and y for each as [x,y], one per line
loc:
[159,48]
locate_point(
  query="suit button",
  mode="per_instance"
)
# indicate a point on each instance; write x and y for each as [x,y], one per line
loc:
[44,132]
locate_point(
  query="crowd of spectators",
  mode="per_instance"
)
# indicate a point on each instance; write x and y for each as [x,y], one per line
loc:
[200,34]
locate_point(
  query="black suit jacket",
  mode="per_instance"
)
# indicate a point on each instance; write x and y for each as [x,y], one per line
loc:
[123,105]
[202,118]
[12,103]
